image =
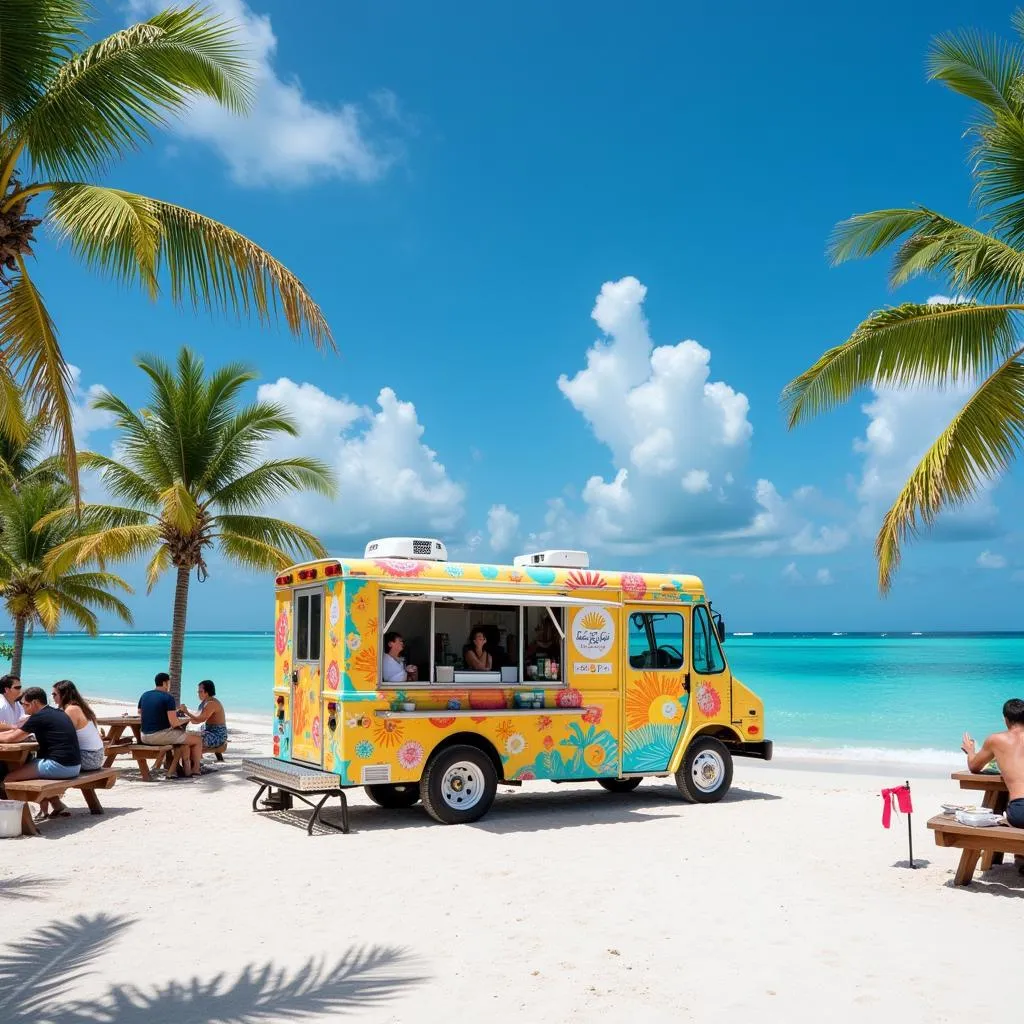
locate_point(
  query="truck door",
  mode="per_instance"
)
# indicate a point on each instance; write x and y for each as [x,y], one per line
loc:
[710,680]
[656,696]
[307,730]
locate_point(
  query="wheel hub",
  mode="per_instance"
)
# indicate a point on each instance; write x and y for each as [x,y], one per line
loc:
[462,786]
[708,771]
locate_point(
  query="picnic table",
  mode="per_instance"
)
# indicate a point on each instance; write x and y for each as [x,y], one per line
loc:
[16,754]
[115,725]
[969,838]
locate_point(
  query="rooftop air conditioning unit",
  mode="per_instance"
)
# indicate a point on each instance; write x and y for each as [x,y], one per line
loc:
[426,548]
[555,559]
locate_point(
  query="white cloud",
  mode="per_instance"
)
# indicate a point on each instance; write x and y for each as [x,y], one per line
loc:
[502,528]
[791,574]
[677,439]
[823,577]
[286,138]
[902,425]
[990,560]
[84,418]
[389,481]
[946,300]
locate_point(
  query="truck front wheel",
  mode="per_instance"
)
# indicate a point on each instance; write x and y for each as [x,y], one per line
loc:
[705,775]
[459,785]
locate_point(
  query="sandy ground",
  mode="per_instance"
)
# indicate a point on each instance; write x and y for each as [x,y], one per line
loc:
[566,903]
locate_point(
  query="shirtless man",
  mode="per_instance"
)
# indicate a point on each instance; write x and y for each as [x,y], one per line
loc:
[1008,750]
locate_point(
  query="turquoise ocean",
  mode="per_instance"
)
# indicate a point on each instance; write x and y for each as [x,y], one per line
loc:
[855,696]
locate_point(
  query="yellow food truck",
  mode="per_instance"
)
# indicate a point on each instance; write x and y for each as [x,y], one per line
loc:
[419,678]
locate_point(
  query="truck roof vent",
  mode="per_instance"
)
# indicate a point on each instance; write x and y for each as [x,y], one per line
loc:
[425,548]
[557,559]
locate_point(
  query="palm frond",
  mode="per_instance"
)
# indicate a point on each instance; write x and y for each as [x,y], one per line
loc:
[103,102]
[120,480]
[906,346]
[240,441]
[28,333]
[14,424]
[178,508]
[981,67]
[870,233]
[980,443]
[35,36]
[280,535]
[157,566]
[274,479]
[253,554]
[71,591]
[116,544]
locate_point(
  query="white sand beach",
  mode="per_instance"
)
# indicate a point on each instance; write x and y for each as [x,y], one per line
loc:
[566,903]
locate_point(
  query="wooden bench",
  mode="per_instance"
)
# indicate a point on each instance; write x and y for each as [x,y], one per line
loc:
[167,755]
[976,842]
[34,790]
[219,751]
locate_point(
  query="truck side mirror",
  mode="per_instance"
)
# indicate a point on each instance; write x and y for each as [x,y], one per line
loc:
[720,626]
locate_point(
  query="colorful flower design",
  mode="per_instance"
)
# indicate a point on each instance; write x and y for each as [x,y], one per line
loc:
[571,698]
[593,715]
[526,775]
[281,632]
[364,749]
[489,572]
[585,580]
[633,585]
[316,732]
[441,723]
[354,641]
[708,700]
[388,733]
[455,571]
[410,754]
[548,742]
[400,567]
[454,704]
[333,677]
[594,755]
[594,751]
[654,699]
[545,577]
[334,611]
[505,729]
[544,722]
[515,744]
[363,665]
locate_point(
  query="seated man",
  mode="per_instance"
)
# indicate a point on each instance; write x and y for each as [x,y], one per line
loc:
[1007,748]
[58,756]
[209,714]
[11,711]
[161,725]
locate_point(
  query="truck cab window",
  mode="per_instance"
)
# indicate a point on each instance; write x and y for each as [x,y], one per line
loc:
[707,654]
[655,640]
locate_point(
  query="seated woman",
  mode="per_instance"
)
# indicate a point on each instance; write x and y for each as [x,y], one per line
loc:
[210,715]
[66,696]
[476,655]
[393,667]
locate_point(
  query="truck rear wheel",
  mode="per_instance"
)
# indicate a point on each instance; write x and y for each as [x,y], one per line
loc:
[619,785]
[459,785]
[705,775]
[398,795]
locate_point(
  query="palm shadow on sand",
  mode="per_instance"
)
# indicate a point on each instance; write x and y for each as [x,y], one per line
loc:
[38,977]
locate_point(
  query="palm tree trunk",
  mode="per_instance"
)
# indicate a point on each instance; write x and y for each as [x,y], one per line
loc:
[178,630]
[19,647]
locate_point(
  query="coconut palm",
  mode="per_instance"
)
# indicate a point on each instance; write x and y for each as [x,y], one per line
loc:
[34,590]
[972,339]
[191,478]
[69,109]
[24,457]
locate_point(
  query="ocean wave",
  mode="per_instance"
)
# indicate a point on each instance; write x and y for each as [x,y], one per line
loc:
[875,755]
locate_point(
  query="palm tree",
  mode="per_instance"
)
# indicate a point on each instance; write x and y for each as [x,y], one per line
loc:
[24,457]
[68,110]
[974,338]
[191,477]
[34,590]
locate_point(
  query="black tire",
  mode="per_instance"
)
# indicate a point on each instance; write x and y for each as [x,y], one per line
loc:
[705,775]
[478,782]
[397,795]
[619,785]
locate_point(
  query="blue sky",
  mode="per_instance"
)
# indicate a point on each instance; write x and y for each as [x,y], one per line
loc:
[477,195]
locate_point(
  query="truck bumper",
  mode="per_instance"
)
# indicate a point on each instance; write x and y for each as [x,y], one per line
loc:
[762,750]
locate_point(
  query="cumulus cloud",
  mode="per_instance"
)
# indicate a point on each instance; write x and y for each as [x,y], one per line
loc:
[286,138]
[85,420]
[823,577]
[677,438]
[502,528]
[389,481]
[990,560]
[902,425]
[791,574]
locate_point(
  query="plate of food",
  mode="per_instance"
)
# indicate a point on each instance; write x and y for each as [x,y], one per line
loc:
[983,818]
[953,808]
